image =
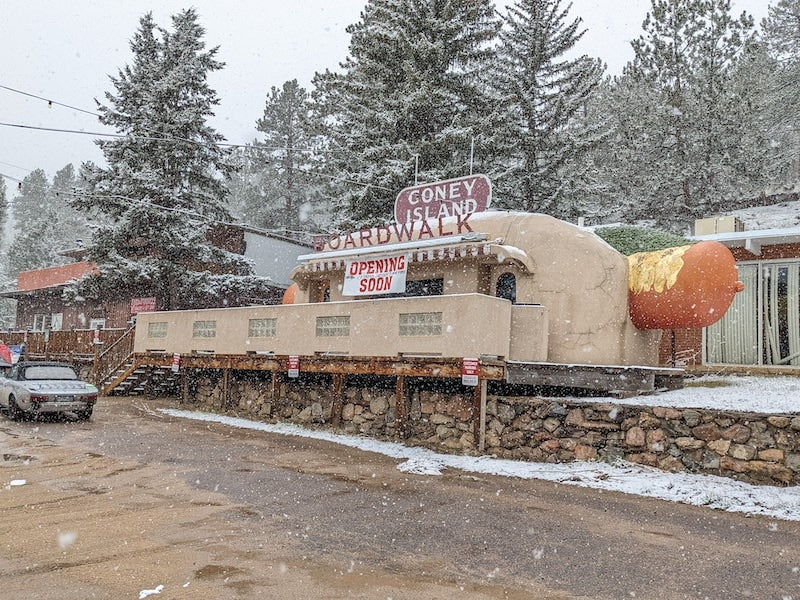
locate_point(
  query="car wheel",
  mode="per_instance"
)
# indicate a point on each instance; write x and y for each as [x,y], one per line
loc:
[14,411]
[84,415]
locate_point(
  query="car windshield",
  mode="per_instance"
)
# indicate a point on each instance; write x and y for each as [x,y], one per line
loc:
[50,372]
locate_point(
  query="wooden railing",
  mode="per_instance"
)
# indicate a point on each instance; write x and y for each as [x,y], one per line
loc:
[113,357]
[77,345]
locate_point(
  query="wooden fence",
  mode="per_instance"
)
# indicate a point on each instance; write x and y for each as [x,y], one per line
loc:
[77,345]
[98,353]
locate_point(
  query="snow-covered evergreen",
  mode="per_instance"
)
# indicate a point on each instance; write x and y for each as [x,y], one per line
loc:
[409,100]
[163,187]
[542,96]
[781,65]
[276,187]
[680,115]
[3,210]
[35,226]
[74,227]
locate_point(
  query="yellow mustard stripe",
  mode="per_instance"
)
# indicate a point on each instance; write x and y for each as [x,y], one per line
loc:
[655,270]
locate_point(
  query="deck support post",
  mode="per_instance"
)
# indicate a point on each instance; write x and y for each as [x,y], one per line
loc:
[225,388]
[479,414]
[338,399]
[274,385]
[401,408]
[184,387]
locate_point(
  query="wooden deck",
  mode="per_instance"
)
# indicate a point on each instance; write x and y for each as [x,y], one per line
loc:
[613,379]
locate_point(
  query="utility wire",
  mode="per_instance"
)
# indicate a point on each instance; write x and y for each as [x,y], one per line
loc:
[49,102]
[125,200]
[153,206]
[57,130]
[160,137]
[15,166]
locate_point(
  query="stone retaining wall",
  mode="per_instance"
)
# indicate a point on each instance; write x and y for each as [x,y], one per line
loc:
[757,448]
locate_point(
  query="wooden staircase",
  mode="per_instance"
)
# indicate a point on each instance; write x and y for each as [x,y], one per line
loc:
[116,372]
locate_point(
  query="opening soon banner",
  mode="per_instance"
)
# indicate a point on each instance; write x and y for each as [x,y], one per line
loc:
[368,277]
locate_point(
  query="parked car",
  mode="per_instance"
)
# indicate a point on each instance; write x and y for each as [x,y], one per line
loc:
[46,387]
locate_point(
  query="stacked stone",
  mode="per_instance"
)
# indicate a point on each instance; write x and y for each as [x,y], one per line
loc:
[369,411]
[752,447]
[442,421]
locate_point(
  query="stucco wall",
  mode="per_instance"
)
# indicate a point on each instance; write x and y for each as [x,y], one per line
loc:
[471,325]
[578,277]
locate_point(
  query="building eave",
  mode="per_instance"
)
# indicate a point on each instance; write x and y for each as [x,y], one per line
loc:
[753,241]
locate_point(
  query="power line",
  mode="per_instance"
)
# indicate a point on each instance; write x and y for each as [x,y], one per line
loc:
[49,102]
[11,178]
[160,137]
[15,166]
[157,207]
[123,199]
[57,130]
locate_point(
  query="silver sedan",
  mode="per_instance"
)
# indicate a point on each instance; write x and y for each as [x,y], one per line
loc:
[32,388]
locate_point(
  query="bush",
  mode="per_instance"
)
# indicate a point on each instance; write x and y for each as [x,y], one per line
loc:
[628,239]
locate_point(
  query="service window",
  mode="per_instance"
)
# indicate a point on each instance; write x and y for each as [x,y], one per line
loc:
[419,287]
[425,287]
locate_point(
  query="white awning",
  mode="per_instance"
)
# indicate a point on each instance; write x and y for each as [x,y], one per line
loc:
[435,249]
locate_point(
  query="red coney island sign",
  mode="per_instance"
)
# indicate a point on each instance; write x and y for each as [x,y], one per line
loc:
[453,197]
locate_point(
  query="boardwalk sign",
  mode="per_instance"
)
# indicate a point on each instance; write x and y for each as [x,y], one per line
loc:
[453,197]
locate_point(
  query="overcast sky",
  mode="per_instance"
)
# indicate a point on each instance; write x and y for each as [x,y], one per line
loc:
[65,51]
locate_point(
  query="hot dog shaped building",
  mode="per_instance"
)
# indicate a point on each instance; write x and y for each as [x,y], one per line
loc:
[509,286]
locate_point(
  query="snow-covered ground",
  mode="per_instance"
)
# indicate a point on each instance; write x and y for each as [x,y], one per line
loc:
[740,393]
[756,394]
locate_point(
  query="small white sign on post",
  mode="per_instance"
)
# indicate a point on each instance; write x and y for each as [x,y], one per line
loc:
[469,371]
[373,276]
[294,367]
[176,362]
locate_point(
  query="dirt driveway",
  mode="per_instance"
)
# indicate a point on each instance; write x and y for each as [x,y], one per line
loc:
[136,504]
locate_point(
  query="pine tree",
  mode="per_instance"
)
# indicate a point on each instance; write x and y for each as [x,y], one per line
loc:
[73,227]
[542,96]
[163,187]
[410,98]
[35,226]
[781,60]
[247,188]
[7,305]
[3,210]
[284,156]
[687,118]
